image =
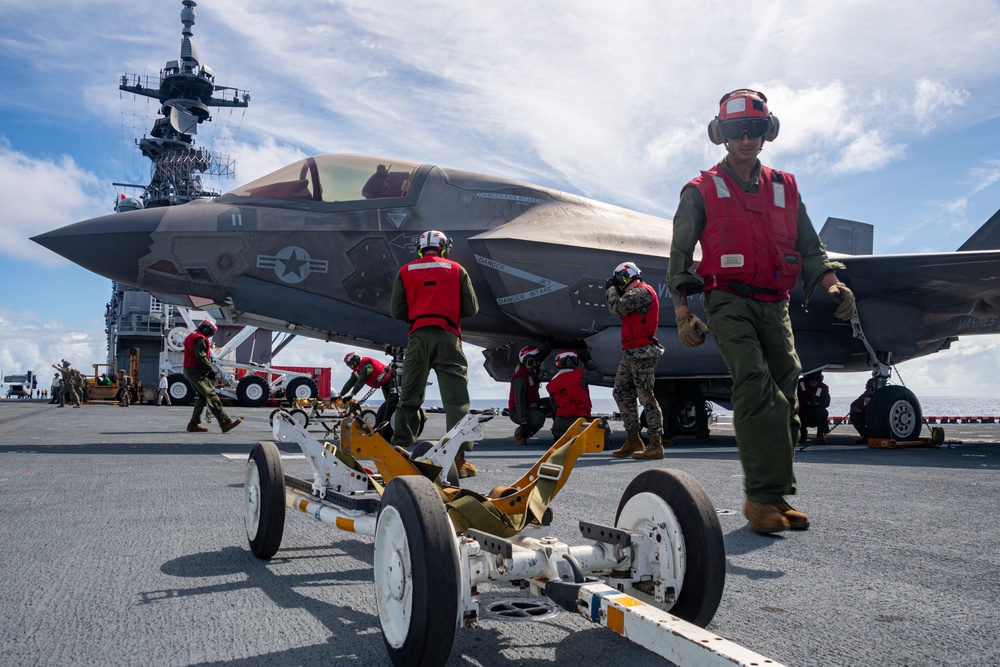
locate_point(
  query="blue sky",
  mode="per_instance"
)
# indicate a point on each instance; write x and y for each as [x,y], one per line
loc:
[889,114]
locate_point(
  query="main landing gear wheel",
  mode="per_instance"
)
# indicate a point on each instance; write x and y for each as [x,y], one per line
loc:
[180,390]
[300,388]
[252,391]
[416,573]
[673,508]
[894,412]
[264,500]
[298,416]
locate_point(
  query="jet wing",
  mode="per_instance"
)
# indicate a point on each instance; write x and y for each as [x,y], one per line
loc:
[917,304]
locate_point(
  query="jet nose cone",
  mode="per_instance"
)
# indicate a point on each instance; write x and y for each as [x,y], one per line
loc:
[110,246]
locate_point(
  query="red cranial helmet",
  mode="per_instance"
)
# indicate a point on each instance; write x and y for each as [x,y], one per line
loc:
[567,359]
[352,359]
[208,328]
[743,111]
[529,355]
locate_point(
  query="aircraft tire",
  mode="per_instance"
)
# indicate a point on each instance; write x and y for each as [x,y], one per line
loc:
[416,573]
[300,388]
[264,500]
[674,505]
[894,412]
[180,390]
[252,391]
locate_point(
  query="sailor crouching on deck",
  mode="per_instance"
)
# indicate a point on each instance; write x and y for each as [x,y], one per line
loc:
[432,294]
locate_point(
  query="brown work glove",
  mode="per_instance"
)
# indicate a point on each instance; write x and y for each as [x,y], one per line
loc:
[690,329]
[843,295]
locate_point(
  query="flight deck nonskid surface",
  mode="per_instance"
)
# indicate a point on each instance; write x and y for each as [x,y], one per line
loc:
[124,544]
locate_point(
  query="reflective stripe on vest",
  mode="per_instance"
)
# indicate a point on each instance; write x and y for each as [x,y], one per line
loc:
[749,241]
[380,372]
[433,289]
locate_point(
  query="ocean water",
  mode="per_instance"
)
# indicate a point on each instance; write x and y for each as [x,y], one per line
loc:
[947,406]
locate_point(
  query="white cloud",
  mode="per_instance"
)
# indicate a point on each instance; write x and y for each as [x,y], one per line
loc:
[933,101]
[30,343]
[40,194]
[985,175]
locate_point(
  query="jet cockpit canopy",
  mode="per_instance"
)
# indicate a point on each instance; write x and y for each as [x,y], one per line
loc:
[335,178]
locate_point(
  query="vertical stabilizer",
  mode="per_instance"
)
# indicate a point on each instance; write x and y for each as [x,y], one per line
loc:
[986,237]
[848,237]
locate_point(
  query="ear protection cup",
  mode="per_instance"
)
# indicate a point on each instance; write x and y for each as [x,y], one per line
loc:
[772,134]
[714,135]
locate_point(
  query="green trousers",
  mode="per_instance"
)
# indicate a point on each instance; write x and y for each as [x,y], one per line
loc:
[431,348]
[756,341]
[535,418]
[206,397]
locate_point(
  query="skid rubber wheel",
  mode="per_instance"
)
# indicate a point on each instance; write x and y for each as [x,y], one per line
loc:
[937,436]
[672,507]
[416,573]
[451,476]
[264,500]
[300,388]
[369,417]
[298,416]
[180,390]
[894,412]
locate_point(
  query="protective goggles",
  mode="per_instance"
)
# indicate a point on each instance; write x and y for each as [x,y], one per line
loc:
[733,130]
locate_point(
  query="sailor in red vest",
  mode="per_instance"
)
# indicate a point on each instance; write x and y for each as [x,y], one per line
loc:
[756,238]
[200,374]
[432,294]
[524,405]
[370,372]
[569,389]
[639,307]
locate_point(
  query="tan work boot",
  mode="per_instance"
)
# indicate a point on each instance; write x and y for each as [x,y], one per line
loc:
[465,469]
[653,451]
[519,438]
[632,445]
[230,425]
[196,428]
[796,520]
[765,517]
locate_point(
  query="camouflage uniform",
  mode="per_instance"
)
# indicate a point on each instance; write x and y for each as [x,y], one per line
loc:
[67,385]
[635,377]
[124,382]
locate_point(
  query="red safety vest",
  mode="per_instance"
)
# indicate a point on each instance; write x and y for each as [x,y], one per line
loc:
[531,380]
[380,372]
[569,396]
[191,361]
[433,288]
[639,329]
[750,238]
